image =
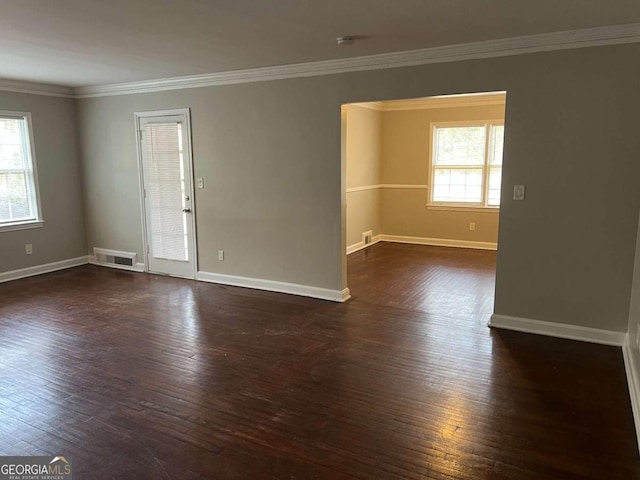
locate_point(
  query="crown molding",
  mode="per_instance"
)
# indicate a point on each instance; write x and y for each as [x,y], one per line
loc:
[33,88]
[591,37]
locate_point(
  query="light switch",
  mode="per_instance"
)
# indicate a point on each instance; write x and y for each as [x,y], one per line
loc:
[200,182]
[518,192]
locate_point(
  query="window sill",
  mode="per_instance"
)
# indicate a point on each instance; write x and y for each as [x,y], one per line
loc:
[9,227]
[463,208]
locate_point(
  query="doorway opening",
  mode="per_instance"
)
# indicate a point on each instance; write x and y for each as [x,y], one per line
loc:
[422,175]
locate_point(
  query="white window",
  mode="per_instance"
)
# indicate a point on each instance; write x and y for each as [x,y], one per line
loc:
[466,164]
[19,202]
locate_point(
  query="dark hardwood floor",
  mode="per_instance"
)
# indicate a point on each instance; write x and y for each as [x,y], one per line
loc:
[137,376]
[451,282]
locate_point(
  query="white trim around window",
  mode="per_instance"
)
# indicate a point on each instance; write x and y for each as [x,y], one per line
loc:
[481,193]
[19,193]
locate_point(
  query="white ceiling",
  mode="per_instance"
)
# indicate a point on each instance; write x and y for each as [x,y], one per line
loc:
[94,42]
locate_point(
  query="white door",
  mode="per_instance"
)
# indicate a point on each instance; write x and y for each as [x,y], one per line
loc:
[165,151]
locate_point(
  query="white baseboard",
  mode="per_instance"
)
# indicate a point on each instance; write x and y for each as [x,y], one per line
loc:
[40,269]
[273,286]
[560,330]
[440,242]
[360,245]
[632,368]
[138,267]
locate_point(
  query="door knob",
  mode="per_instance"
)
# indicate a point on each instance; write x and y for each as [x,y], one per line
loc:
[186,210]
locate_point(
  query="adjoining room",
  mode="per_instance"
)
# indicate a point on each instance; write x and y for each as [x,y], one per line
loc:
[427,172]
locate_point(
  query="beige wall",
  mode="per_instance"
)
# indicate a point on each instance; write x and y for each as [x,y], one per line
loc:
[54,134]
[364,146]
[363,214]
[406,149]
[270,152]
[364,155]
[404,213]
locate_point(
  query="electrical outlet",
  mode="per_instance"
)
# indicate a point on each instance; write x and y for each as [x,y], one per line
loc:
[472,226]
[367,237]
[221,255]
[518,192]
[28,248]
[200,182]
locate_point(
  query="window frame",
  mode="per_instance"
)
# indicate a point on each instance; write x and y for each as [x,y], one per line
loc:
[463,206]
[31,172]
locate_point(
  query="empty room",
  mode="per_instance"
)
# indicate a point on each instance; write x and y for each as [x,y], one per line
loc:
[425,172]
[245,239]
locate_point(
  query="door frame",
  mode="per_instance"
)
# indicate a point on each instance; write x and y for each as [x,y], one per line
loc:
[143,212]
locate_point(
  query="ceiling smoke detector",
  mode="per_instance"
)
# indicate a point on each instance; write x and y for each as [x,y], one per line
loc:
[345,40]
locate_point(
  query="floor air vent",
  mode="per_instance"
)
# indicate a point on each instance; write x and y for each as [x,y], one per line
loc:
[114,258]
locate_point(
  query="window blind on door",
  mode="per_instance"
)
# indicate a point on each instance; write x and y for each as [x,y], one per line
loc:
[166,191]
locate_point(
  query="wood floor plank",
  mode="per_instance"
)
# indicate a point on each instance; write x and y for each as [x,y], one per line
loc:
[138,376]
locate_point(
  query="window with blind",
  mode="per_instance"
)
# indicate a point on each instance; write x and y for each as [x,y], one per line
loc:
[19,206]
[466,164]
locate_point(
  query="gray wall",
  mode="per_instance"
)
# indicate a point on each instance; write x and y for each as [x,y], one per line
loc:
[271,156]
[63,235]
